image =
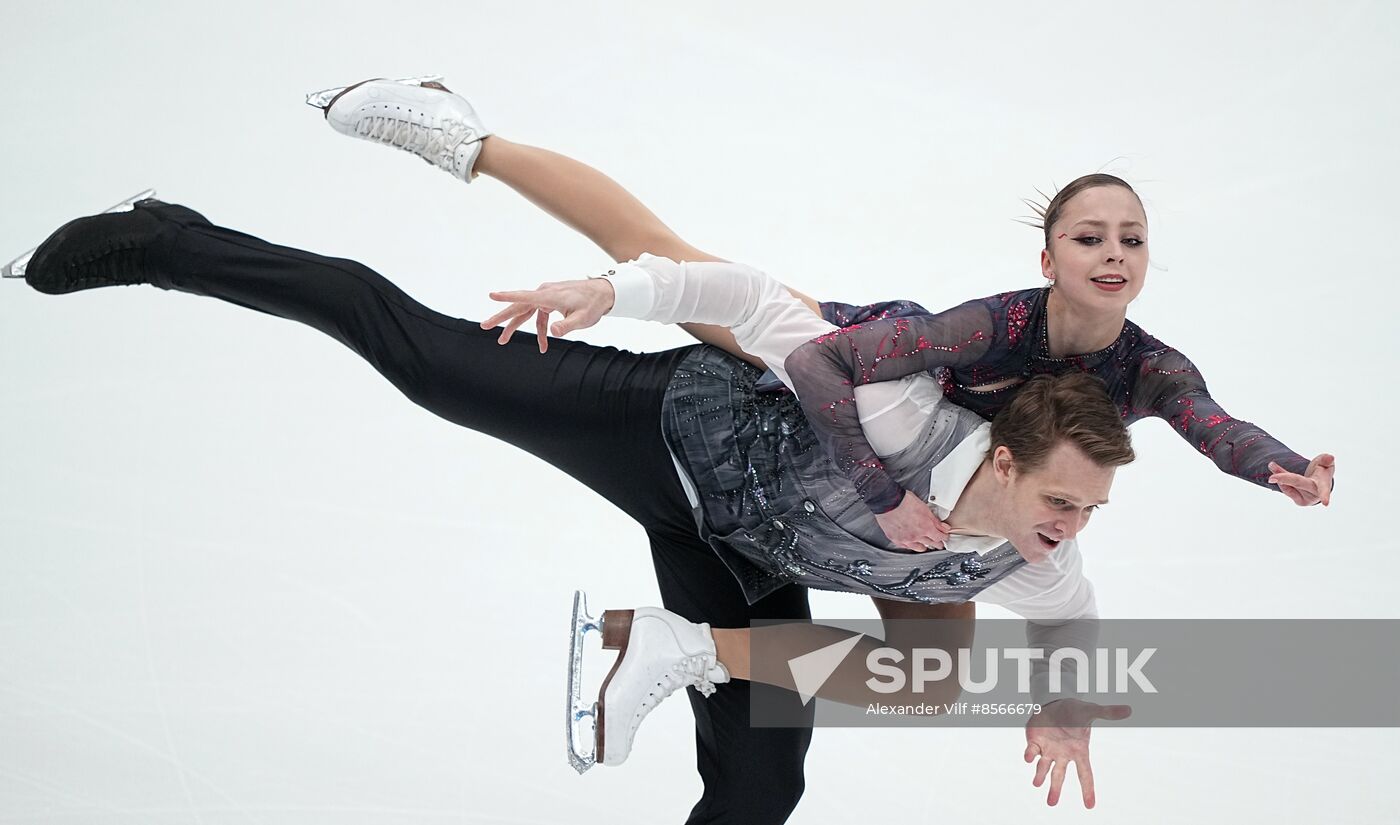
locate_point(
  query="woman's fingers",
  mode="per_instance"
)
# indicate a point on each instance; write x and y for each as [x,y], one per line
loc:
[1321,470]
[1301,490]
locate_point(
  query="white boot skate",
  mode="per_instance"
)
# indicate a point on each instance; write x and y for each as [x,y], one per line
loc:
[322,99]
[659,653]
[17,267]
[420,116]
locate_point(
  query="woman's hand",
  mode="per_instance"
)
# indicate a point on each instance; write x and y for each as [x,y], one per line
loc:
[1059,735]
[913,526]
[1314,486]
[581,302]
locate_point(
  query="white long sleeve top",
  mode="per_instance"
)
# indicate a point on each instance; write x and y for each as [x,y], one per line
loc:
[768,322]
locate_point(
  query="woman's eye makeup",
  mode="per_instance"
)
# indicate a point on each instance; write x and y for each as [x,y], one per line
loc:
[1094,240]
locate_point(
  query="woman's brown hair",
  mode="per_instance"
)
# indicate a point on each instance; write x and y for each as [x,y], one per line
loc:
[1049,214]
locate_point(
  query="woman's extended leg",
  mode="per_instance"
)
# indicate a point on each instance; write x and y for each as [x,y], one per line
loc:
[575,193]
[585,200]
[595,205]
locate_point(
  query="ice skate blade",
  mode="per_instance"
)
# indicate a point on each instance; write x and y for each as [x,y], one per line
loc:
[581,718]
[323,98]
[17,267]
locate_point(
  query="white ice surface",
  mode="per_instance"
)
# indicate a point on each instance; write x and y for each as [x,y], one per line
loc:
[242,580]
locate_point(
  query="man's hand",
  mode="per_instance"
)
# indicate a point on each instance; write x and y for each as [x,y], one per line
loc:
[1314,486]
[581,302]
[913,526]
[1059,734]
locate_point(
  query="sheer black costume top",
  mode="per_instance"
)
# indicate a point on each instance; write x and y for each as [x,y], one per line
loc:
[1003,340]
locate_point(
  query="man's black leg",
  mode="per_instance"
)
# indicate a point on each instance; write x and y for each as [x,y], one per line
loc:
[752,775]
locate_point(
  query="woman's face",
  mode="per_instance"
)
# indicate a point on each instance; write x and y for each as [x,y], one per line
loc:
[1098,249]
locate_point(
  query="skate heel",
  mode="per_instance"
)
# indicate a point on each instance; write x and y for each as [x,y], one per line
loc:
[617,626]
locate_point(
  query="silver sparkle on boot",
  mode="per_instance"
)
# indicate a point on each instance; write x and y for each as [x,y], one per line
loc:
[323,98]
[17,267]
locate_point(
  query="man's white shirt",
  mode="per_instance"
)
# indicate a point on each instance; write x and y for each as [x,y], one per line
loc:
[769,323]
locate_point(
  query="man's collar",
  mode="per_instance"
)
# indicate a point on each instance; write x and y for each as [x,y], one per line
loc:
[951,476]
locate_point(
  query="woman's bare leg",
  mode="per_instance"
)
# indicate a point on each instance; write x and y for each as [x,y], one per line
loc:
[597,206]
[585,200]
[848,683]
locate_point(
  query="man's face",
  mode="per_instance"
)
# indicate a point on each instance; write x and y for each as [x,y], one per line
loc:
[1051,504]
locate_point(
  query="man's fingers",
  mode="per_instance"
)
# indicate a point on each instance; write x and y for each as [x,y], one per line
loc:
[1057,780]
[513,325]
[574,320]
[520,296]
[509,312]
[1114,712]
[1086,779]
[1042,769]
[542,329]
[1032,751]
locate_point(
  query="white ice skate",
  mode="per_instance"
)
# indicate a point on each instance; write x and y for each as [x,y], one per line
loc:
[418,115]
[322,99]
[17,267]
[658,653]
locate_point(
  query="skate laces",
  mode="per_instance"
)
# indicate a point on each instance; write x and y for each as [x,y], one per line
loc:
[436,144]
[690,670]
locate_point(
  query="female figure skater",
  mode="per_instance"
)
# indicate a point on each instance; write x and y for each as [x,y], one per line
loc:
[640,429]
[1095,260]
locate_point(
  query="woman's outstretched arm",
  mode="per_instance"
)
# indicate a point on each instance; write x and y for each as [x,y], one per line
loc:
[597,206]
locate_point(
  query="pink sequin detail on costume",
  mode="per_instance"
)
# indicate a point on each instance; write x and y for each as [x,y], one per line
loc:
[886,351]
[1016,318]
[835,333]
[1184,419]
[831,408]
